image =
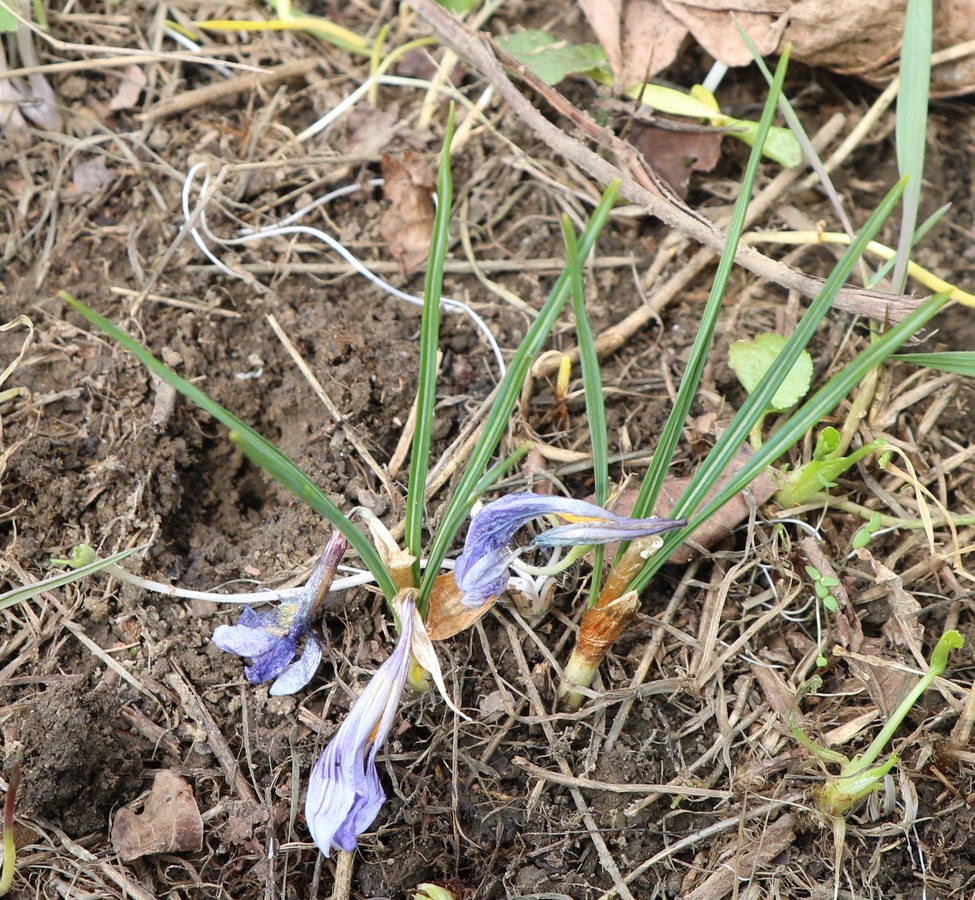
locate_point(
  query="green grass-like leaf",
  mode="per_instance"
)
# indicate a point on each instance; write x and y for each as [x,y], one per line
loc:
[426,392]
[593,389]
[962,362]
[691,378]
[18,595]
[911,128]
[257,448]
[465,494]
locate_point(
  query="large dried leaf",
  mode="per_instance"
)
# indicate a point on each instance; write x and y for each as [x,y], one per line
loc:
[170,822]
[713,27]
[674,154]
[408,223]
[642,37]
[639,36]
[447,616]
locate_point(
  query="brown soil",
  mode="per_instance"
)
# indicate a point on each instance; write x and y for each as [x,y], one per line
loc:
[102,685]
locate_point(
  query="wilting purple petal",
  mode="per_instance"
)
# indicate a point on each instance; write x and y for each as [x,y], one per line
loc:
[344,792]
[246,638]
[272,662]
[608,531]
[481,571]
[299,673]
[270,637]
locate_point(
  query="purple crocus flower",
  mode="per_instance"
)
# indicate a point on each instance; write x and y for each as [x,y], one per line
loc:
[344,792]
[270,637]
[481,571]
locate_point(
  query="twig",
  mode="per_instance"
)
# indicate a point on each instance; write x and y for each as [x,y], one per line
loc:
[196,709]
[220,90]
[688,792]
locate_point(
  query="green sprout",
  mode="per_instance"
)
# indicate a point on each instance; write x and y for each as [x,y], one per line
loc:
[864,534]
[822,585]
[861,775]
[827,464]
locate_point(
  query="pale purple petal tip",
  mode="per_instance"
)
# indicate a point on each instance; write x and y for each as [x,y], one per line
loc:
[344,791]
[242,640]
[299,673]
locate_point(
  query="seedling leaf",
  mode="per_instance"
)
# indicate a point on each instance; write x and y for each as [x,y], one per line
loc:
[458,7]
[820,473]
[553,60]
[752,359]
[827,444]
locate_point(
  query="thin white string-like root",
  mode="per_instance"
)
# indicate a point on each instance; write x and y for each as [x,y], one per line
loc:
[279,230]
[359,577]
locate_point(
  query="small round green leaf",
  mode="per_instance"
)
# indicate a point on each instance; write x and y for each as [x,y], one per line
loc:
[752,359]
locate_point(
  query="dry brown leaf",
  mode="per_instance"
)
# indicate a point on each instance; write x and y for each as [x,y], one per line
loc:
[90,175]
[748,857]
[903,627]
[129,89]
[170,822]
[674,154]
[408,223]
[881,675]
[848,36]
[370,131]
[713,26]
[639,36]
[447,616]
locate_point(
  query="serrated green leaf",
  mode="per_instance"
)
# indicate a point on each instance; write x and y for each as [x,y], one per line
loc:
[752,359]
[553,60]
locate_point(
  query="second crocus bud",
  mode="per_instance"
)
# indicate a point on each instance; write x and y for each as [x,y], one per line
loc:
[600,627]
